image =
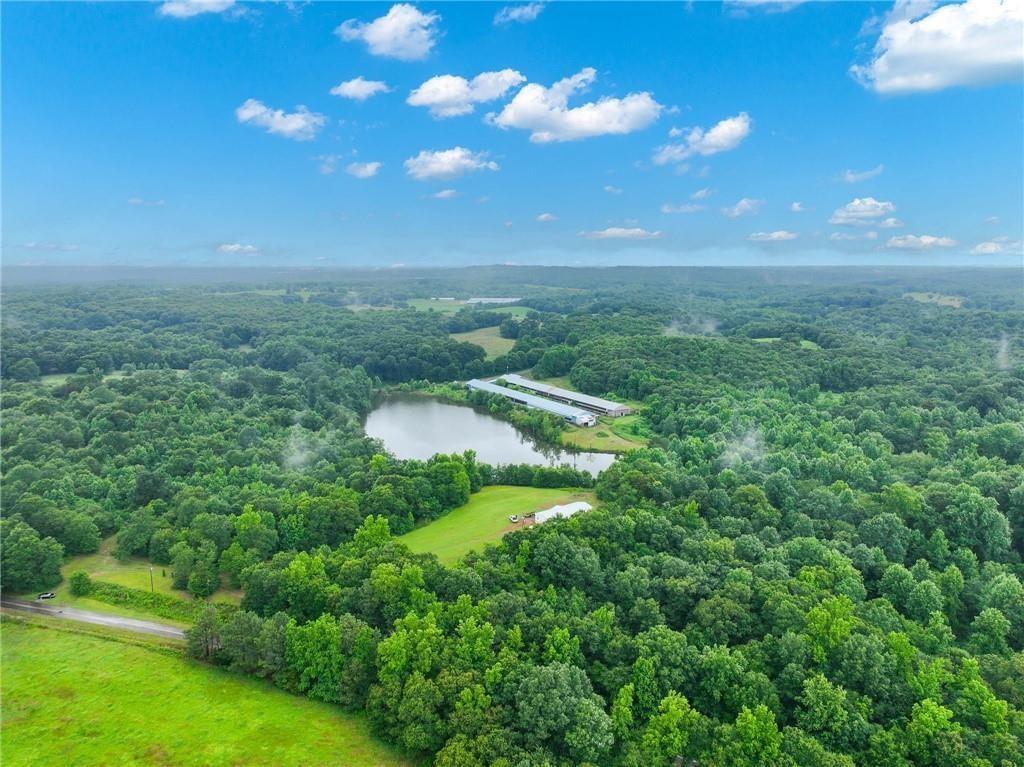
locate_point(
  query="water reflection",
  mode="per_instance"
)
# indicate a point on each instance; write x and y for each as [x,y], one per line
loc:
[413,426]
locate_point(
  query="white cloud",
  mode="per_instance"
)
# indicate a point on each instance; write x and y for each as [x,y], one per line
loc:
[445,194]
[363,169]
[360,89]
[186,9]
[521,14]
[796,207]
[612,189]
[927,48]
[61,247]
[545,218]
[300,125]
[890,223]
[545,112]
[992,220]
[702,194]
[779,236]
[847,237]
[403,33]
[686,207]
[140,202]
[451,96]
[447,163]
[922,242]
[862,211]
[744,207]
[721,137]
[621,233]
[237,249]
[995,246]
[675,132]
[853,176]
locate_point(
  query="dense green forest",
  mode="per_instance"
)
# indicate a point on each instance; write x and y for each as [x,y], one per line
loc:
[817,560]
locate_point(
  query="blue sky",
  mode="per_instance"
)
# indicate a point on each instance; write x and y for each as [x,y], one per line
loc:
[670,133]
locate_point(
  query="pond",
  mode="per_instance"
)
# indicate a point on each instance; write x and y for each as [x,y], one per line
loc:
[414,426]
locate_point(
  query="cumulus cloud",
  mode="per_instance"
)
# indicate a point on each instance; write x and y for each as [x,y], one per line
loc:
[612,189]
[403,33]
[451,96]
[721,137]
[445,194]
[848,237]
[143,203]
[447,163]
[923,47]
[996,246]
[237,249]
[779,236]
[186,9]
[360,89]
[796,207]
[702,194]
[853,176]
[363,169]
[300,125]
[621,233]
[919,242]
[862,211]
[545,218]
[890,223]
[545,112]
[686,207]
[521,14]
[744,207]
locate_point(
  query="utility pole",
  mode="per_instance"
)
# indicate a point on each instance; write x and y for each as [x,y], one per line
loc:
[151,579]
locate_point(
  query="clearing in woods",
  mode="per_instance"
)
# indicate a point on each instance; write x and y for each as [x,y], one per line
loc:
[485,519]
[489,339]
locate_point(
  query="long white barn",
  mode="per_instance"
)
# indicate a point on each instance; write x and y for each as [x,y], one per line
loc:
[595,404]
[564,511]
[574,415]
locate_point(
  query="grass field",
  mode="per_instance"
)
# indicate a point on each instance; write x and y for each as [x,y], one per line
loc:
[936,298]
[489,339]
[72,698]
[134,573]
[484,519]
[611,435]
[450,307]
[56,379]
[804,343]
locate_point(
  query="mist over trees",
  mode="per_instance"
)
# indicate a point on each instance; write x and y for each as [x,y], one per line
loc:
[817,560]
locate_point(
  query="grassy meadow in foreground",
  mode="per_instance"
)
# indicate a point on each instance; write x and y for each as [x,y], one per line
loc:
[85,700]
[485,519]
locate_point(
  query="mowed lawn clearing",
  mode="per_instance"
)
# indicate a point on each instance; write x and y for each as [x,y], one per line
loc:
[611,435]
[84,700]
[489,339]
[485,519]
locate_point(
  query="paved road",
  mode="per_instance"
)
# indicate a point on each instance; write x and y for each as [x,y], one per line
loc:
[99,619]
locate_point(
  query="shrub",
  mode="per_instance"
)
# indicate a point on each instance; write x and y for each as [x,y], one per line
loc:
[80,583]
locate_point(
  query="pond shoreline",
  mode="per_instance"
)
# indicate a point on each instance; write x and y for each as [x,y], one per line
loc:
[418,423]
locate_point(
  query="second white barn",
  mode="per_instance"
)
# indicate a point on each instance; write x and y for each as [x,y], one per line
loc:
[564,511]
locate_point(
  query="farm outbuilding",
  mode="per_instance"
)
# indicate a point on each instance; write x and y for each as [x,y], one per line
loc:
[574,415]
[594,404]
[561,512]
